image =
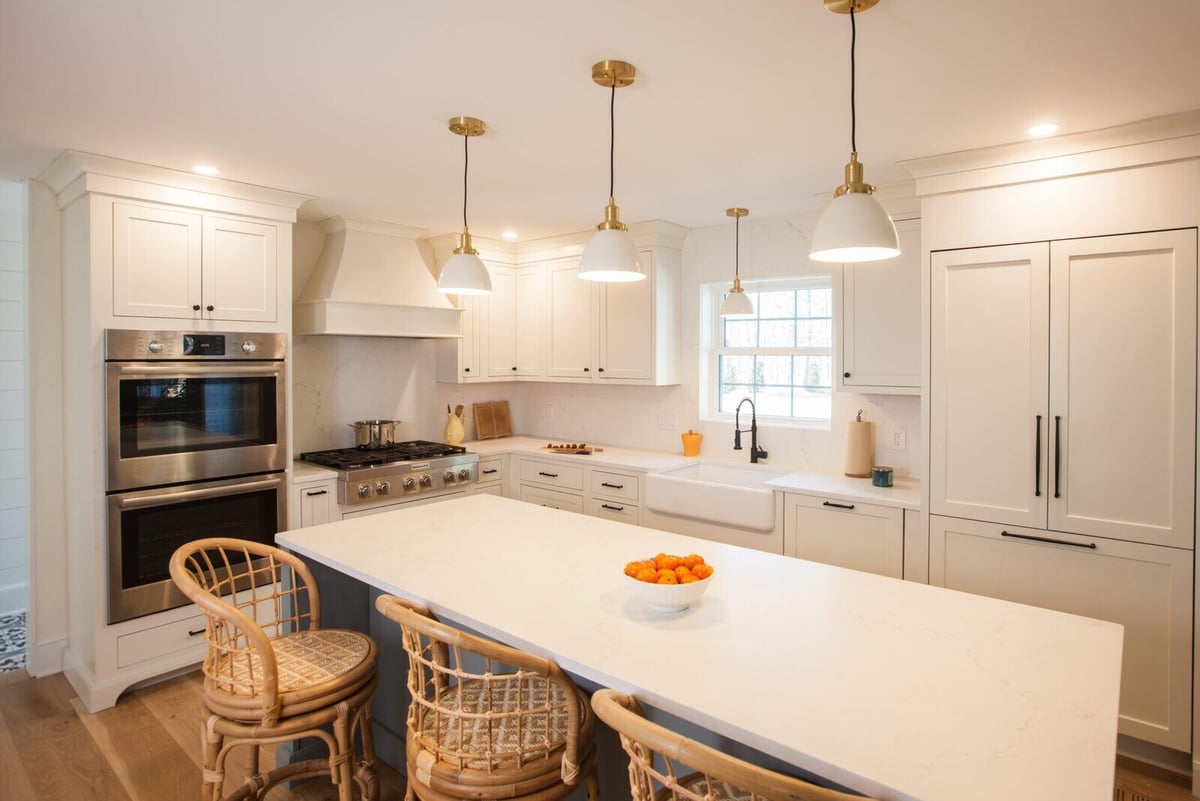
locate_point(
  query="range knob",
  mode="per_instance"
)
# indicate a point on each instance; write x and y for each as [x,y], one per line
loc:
[249,347]
[410,484]
[448,477]
[464,474]
[383,487]
[426,480]
[364,490]
[156,346]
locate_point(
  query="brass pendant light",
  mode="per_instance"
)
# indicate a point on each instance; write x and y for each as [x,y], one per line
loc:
[611,254]
[854,227]
[737,303]
[465,273]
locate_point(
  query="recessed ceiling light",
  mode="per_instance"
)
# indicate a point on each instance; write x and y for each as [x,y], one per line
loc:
[1043,129]
[509,235]
[206,169]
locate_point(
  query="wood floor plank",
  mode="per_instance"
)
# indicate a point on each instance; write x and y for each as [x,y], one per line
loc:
[14,783]
[61,759]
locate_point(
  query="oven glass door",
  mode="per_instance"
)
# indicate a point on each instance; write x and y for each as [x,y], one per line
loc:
[171,423]
[145,528]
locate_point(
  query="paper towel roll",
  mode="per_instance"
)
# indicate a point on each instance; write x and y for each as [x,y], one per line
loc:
[860,448]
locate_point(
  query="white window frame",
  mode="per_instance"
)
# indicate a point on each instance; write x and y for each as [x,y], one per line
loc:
[710,351]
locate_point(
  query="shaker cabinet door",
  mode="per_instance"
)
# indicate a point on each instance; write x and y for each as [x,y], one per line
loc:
[239,270]
[156,262]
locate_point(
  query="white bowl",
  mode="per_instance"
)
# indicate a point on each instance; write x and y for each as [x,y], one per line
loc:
[669,597]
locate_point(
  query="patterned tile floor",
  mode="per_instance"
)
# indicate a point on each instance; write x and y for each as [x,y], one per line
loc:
[12,642]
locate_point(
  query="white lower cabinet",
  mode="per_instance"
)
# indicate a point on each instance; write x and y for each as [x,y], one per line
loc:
[613,510]
[850,534]
[491,476]
[1145,588]
[312,503]
[555,499]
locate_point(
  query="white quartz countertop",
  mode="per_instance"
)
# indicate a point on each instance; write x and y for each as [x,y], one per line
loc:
[906,493]
[896,689]
[307,471]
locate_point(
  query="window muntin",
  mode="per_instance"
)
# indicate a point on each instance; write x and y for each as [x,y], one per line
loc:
[782,358]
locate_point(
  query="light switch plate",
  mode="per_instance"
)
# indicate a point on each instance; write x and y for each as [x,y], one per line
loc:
[899,439]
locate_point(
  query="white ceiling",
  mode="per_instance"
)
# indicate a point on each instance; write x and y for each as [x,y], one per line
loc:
[736,103]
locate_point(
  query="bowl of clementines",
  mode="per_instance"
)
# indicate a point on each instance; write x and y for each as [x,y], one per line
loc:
[669,583]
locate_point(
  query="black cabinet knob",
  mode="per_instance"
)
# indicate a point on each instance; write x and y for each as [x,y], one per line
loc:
[466,369]
[195,307]
[602,369]
[514,369]
[586,370]
[209,308]
[845,375]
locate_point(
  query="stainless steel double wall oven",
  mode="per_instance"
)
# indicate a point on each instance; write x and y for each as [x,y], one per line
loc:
[197,447]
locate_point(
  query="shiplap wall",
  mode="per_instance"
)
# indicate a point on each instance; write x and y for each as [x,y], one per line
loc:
[14,439]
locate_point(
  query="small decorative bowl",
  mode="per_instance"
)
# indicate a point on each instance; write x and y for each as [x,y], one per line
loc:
[667,598]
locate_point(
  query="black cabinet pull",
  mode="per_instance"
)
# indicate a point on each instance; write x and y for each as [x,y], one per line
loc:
[1037,459]
[466,369]
[602,369]
[514,369]
[489,472]
[612,486]
[209,308]
[548,475]
[315,493]
[838,505]
[845,375]
[586,370]
[194,633]
[1050,540]
[612,508]
[195,307]
[1057,450]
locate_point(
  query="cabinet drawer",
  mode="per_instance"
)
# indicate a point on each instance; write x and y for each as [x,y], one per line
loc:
[613,510]
[161,640]
[858,536]
[551,474]
[1145,588]
[619,486]
[555,500]
[488,489]
[317,502]
[491,470]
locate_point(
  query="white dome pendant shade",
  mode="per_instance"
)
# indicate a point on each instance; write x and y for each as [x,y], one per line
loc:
[611,254]
[737,303]
[465,273]
[854,227]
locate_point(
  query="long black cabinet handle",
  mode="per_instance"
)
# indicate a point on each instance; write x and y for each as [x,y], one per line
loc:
[1037,460]
[612,486]
[489,472]
[1050,540]
[838,505]
[1057,451]
[196,632]
[548,475]
[315,493]
[612,508]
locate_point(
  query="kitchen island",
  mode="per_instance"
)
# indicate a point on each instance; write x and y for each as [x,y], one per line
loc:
[894,689]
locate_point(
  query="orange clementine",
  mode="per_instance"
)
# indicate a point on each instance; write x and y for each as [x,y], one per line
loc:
[632,568]
[688,578]
[668,578]
[682,571]
[648,574]
[702,571]
[693,559]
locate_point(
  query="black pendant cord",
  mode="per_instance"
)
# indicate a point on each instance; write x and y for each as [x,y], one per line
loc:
[853,120]
[612,138]
[466,163]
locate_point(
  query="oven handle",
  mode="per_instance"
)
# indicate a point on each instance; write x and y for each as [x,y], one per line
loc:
[143,501]
[209,370]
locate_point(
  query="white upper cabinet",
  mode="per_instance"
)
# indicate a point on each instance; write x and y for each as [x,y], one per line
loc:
[499,334]
[626,330]
[988,383]
[171,263]
[881,321]
[1063,386]
[1123,386]
[569,322]
[156,262]
[529,325]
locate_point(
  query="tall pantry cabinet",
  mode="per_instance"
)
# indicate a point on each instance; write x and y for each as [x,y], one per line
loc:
[1060,395]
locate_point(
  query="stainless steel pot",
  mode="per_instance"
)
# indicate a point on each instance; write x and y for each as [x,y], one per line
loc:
[372,434]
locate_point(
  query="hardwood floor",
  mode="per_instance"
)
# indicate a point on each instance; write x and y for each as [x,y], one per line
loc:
[147,748]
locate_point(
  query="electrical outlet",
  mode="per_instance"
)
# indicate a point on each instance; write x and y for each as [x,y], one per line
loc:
[668,421]
[899,439]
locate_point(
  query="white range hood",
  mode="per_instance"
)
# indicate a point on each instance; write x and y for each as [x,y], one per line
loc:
[373,280]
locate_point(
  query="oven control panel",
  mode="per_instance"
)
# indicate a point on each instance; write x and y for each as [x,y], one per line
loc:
[122,345]
[395,481]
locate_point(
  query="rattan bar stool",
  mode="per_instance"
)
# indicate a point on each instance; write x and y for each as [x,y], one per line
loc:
[488,721]
[665,766]
[272,674]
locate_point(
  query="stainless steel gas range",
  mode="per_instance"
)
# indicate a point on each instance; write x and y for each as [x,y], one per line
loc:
[373,480]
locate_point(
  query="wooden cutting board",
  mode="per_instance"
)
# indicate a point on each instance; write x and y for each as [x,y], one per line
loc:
[492,420]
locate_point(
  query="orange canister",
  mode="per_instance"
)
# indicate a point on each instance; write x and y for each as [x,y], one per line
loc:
[691,443]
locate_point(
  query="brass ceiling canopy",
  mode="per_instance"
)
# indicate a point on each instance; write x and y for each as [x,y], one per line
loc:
[612,73]
[467,126]
[843,6]
[736,212]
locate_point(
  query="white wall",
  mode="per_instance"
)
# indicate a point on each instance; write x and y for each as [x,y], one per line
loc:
[14,440]
[341,379]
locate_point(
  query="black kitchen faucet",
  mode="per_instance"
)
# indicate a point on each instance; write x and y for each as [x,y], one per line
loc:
[756,452]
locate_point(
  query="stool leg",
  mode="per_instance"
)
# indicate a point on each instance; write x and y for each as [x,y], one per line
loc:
[341,763]
[368,781]
[213,775]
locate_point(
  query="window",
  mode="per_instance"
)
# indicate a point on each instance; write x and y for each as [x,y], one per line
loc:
[782,358]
